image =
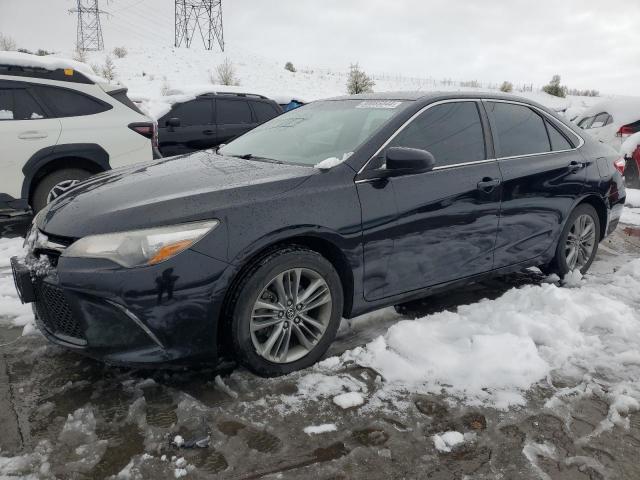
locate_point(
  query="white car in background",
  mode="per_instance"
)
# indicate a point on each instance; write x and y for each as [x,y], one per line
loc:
[60,124]
[612,121]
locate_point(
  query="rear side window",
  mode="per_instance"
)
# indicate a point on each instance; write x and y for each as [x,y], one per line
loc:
[264,111]
[558,141]
[194,112]
[601,120]
[519,129]
[586,122]
[452,132]
[18,104]
[68,103]
[121,96]
[232,112]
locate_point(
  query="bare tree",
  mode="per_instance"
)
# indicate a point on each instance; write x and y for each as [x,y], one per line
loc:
[120,52]
[358,81]
[7,43]
[225,74]
[108,70]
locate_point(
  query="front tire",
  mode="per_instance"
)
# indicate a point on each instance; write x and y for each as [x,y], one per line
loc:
[578,243]
[285,311]
[55,184]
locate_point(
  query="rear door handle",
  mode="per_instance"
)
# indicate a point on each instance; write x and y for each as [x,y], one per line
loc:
[575,166]
[32,135]
[208,132]
[488,184]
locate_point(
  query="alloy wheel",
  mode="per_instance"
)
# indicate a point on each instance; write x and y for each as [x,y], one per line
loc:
[60,188]
[291,315]
[580,243]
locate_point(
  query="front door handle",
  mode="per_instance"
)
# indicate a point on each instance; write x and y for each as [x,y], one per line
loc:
[208,132]
[575,166]
[32,135]
[488,184]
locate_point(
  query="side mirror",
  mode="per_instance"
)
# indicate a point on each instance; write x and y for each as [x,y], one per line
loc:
[405,161]
[173,122]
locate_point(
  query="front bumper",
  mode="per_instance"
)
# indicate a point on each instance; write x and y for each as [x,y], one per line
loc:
[162,314]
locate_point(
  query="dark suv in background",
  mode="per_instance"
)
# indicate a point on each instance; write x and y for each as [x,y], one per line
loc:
[211,119]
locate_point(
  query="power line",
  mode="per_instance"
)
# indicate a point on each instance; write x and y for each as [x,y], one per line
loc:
[203,17]
[89,29]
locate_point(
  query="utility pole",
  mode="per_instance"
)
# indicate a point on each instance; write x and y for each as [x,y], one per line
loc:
[198,18]
[89,34]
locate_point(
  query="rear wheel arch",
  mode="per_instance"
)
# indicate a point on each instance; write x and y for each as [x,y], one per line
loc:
[600,207]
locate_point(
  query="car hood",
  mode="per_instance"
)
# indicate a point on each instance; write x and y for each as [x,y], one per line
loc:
[169,191]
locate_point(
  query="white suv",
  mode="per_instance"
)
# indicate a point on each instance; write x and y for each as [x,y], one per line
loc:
[59,124]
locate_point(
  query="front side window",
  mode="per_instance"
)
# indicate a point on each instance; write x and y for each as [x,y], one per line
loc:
[68,103]
[233,112]
[452,132]
[586,122]
[317,131]
[601,120]
[519,129]
[194,112]
[18,104]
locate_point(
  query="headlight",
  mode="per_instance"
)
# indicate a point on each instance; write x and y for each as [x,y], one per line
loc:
[141,247]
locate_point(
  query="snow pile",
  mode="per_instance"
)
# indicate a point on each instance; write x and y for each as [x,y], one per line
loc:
[348,400]
[23,466]
[331,162]
[630,144]
[490,353]
[317,429]
[445,442]
[631,212]
[79,434]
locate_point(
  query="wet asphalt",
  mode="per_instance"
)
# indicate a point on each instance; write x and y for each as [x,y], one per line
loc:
[234,427]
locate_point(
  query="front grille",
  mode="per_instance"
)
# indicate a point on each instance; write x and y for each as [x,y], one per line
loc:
[55,313]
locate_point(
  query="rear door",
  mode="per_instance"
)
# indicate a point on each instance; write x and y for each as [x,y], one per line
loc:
[543,174]
[233,118]
[197,129]
[25,128]
[429,228]
[264,111]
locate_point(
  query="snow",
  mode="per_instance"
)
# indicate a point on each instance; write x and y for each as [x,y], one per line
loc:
[317,429]
[331,162]
[445,442]
[48,62]
[348,400]
[491,352]
[631,143]
[12,312]
[631,212]
[6,115]
[178,441]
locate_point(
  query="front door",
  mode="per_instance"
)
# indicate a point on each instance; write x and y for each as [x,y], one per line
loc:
[424,229]
[196,131]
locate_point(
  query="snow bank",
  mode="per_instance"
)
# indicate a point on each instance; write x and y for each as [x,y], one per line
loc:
[491,352]
[624,110]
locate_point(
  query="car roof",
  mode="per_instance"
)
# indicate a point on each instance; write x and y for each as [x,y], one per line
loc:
[434,96]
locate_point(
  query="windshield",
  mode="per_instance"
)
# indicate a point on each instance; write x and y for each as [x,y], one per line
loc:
[329,130]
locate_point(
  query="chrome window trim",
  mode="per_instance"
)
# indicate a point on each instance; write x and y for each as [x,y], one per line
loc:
[483,100]
[435,169]
[545,115]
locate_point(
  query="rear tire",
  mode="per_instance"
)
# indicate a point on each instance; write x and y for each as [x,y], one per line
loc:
[578,243]
[290,315]
[59,179]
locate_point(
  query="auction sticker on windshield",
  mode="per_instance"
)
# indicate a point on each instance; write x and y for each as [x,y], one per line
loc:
[379,104]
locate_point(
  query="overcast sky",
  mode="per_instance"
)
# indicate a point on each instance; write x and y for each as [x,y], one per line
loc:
[591,43]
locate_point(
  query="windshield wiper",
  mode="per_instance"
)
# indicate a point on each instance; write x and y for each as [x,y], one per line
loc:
[251,156]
